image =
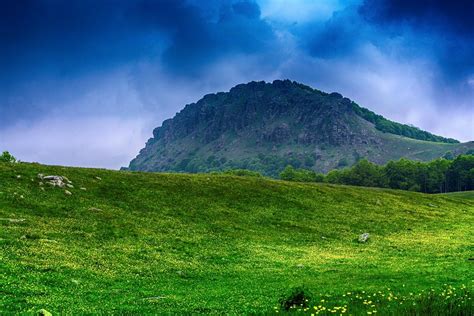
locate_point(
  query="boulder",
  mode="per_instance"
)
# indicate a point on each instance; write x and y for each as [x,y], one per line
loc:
[364,237]
[55,181]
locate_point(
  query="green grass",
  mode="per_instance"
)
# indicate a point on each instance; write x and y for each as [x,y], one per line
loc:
[178,243]
[468,195]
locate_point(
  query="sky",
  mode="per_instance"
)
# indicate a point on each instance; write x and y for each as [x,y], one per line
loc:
[83,83]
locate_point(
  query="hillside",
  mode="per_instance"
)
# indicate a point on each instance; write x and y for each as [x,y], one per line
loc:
[140,243]
[267,126]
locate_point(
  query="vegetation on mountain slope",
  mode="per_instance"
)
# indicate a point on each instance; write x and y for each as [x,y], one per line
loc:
[438,176]
[123,242]
[384,125]
[266,126]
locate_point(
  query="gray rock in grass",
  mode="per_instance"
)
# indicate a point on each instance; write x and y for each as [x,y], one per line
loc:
[364,237]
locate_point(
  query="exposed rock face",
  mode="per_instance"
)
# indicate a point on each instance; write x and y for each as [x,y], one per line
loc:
[266,126]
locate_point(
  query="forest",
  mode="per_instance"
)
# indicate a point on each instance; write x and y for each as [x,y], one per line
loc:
[437,176]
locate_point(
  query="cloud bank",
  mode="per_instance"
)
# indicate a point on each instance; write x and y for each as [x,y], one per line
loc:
[85,82]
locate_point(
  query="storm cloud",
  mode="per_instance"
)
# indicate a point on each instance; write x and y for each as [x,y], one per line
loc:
[85,82]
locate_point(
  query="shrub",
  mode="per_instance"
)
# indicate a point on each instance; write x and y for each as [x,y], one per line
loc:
[300,175]
[7,157]
[298,298]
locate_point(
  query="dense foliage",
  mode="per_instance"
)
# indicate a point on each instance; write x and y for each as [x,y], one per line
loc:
[300,175]
[437,176]
[387,126]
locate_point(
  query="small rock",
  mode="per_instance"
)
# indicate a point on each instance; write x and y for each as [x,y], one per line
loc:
[300,266]
[41,183]
[67,192]
[75,281]
[18,176]
[95,209]
[43,312]
[13,220]
[22,197]
[83,189]
[70,186]
[98,178]
[364,237]
[155,298]
[48,240]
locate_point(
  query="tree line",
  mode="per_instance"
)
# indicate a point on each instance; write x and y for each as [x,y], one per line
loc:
[437,176]
[387,126]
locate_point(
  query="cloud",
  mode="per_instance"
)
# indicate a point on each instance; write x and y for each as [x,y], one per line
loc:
[456,17]
[134,64]
[302,11]
[108,142]
[441,30]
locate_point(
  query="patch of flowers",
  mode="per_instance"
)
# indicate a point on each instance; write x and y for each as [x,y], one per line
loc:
[449,300]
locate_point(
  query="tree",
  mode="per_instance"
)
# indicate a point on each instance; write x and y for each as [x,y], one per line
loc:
[436,176]
[459,176]
[449,155]
[288,173]
[7,157]
[367,174]
[335,176]
[300,175]
[403,174]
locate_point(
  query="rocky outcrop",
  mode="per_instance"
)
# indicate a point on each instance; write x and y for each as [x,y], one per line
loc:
[266,126]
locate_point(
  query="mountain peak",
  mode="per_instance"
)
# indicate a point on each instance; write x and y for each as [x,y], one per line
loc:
[266,126]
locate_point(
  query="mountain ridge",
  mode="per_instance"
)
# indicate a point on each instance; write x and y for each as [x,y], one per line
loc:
[266,126]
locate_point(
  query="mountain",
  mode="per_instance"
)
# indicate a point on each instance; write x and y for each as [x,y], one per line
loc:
[267,126]
[137,243]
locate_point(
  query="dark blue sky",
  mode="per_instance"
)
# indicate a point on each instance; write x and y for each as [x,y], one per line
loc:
[85,82]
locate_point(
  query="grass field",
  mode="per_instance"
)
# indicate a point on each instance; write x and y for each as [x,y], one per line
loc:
[175,243]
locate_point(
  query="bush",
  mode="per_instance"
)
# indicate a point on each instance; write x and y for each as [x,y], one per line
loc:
[300,175]
[298,298]
[7,157]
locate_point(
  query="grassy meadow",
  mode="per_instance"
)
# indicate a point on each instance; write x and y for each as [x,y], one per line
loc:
[149,243]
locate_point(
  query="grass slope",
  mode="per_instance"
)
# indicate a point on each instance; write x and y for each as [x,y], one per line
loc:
[148,243]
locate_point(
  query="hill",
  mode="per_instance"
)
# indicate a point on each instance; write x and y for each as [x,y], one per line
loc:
[267,126]
[126,242]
